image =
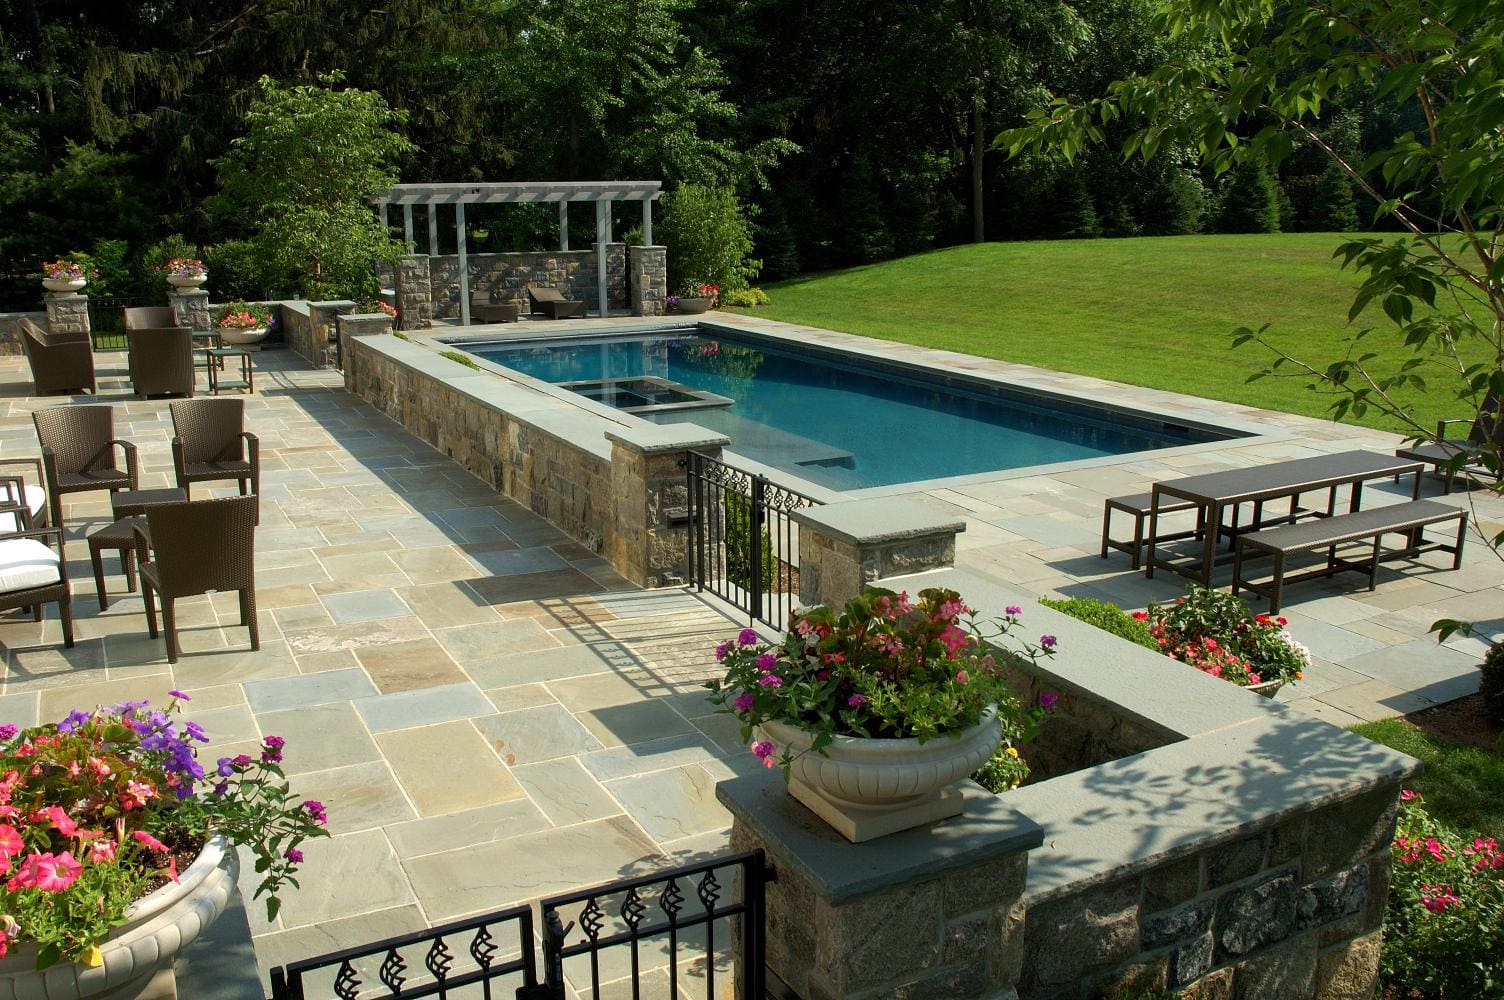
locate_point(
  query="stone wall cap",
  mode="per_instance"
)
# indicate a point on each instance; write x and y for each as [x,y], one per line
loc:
[653,439]
[877,520]
[987,829]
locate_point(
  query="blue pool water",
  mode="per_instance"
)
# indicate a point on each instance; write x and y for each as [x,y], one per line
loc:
[842,424]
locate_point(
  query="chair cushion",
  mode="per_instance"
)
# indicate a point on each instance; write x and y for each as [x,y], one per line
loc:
[26,563]
[36,499]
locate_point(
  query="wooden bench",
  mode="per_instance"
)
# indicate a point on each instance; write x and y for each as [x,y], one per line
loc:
[1136,506]
[1409,518]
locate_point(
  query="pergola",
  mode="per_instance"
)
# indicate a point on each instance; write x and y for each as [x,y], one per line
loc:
[603,193]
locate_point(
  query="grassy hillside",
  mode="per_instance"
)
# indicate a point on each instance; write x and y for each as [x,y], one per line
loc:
[1155,312]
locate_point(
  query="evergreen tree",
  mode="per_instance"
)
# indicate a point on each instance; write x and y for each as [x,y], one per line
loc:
[1250,200]
[1332,201]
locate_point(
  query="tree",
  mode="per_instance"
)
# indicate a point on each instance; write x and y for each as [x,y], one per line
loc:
[708,239]
[1250,203]
[1332,206]
[299,178]
[1255,79]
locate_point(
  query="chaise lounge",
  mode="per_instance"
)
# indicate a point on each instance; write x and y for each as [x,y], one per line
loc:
[552,303]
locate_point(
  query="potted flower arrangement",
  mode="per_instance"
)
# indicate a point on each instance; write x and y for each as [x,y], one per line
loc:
[69,273]
[1217,634]
[184,272]
[242,323]
[875,712]
[696,297]
[117,845]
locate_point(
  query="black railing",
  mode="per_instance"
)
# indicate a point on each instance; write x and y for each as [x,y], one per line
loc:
[107,320]
[743,546]
[692,908]
[431,963]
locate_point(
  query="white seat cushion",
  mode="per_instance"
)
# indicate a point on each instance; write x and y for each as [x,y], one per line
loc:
[26,563]
[36,499]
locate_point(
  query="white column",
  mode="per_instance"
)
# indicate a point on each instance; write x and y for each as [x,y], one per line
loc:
[459,237]
[407,229]
[433,229]
[647,222]
[602,228]
[563,225]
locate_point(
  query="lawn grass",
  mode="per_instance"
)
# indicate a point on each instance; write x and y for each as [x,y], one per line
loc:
[1156,312]
[1463,786]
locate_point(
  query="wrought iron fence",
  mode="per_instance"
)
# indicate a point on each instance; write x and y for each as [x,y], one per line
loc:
[743,546]
[107,321]
[674,933]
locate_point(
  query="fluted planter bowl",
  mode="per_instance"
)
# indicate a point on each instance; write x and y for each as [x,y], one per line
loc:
[64,284]
[239,338]
[868,788]
[187,280]
[692,305]
[1268,689]
[159,926]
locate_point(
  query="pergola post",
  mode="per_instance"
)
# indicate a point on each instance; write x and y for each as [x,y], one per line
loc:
[647,222]
[563,225]
[602,231]
[433,229]
[459,236]
[408,245]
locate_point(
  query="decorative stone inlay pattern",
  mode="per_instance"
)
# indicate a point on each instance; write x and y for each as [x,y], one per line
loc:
[190,307]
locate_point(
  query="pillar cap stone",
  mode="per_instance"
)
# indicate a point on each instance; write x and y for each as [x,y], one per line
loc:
[986,830]
[877,521]
[655,439]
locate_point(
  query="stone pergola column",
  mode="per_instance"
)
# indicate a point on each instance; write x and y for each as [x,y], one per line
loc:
[67,312]
[846,547]
[647,280]
[414,293]
[190,308]
[649,533]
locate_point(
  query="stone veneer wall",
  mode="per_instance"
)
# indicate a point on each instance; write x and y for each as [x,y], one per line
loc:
[503,277]
[67,312]
[648,280]
[10,330]
[309,329]
[297,328]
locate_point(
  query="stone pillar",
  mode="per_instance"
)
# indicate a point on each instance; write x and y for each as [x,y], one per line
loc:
[649,532]
[616,275]
[190,307]
[648,268]
[322,351]
[414,293]
[845,547]
[355,325]
[931,912]
[67,312]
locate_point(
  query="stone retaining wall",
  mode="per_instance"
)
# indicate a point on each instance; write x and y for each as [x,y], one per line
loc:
[10,330]
[503,277]
[297,329]
[309,329]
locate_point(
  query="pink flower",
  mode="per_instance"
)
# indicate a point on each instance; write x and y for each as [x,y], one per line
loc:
[136,794]
[1437,898]
[744,702]
[962,677]
[746,637]
[101,851]
[766,662]
[722,649]
[770,681]
[147,840]
[61,820]
[1409,795]
[1047,701]
[294,855]
[1013,609]
[10,840]
[764,749]
[26,875]
[54,874]
[1048,641]
[953,639]
[856,700]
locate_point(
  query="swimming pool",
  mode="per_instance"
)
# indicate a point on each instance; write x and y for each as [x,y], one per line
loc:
[837,420]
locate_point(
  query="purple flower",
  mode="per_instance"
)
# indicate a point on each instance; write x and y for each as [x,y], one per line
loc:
[180,696]
[745,701]
[315,810]
[856,700]
[770,681]
[221,788]
[196,731]
[240,760]
[75,719]
[274,742]
[746,637]
[7,731]
[1047,701]
[226,767]
[1013,609]
[294,855]
[272,754]
[764,749]
[766,662]
[1047,641]
[721,650]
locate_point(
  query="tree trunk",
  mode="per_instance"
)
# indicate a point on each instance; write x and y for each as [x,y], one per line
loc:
[978,148]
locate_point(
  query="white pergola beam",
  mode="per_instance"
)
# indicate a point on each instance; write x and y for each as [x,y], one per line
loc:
[602,229]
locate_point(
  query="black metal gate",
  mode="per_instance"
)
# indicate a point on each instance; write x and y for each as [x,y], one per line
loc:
[743,546]
[672,933]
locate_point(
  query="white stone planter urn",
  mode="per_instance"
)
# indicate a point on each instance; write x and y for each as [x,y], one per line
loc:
[235,337]
[867,788]
[187,280]
[64,284]
[157,928]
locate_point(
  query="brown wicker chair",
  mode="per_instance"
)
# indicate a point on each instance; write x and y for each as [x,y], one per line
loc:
[161,361]
[487,311]
[77,453]
[149,318]
[209,444]
[552,303]
[195,547]
[60,362]
[31,500]
[32,574]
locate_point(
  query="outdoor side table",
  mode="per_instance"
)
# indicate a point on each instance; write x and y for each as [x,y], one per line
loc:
[130,503]
[120,536]
[218,358]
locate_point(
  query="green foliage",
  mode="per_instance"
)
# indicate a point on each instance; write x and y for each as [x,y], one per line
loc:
[708,238]
[1249,201]
[739,543]
[459,358]
[744,298]
[1332,207]
[242,316]
[1218,634]
[1105,616]
[115,276]
[1491,683]
[298,179]
[1444,928]
[237,270]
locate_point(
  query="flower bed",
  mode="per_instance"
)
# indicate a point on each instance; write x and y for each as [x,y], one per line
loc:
[1216,633]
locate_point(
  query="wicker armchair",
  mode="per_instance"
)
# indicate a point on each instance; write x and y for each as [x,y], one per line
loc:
[30,501]
[161,361]
[149,318]
[59,362]
[77,453]
[32,574]
[209,444]
[191,548]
